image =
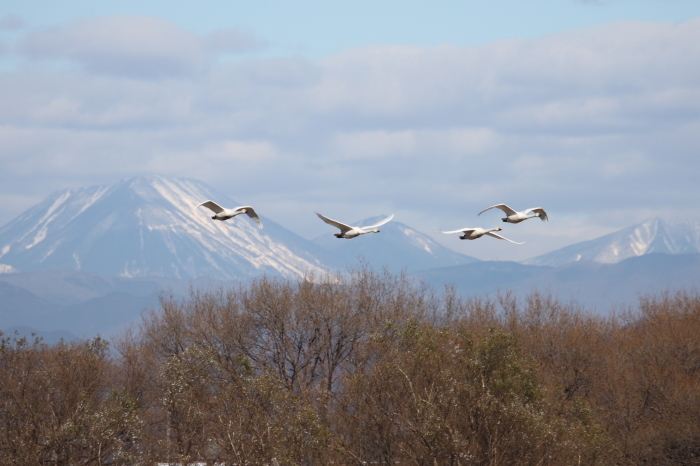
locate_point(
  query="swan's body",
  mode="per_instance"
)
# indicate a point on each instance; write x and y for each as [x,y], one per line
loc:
[517,217]
[348,232]
[476,233]
[222,214]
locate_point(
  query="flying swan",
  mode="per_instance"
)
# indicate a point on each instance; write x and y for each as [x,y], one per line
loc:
[476,233]
[224,214]
[517,217]
[348,232]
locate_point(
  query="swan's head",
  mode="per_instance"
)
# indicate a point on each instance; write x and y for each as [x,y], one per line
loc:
[244,210]
[376,230]
[499,228]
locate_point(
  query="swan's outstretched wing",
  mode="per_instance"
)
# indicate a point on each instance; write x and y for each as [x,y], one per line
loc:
[343,227]
[463,230]
[539,210]
[490,233]
[377,225]
[508,211]
[213,206]
[250,212]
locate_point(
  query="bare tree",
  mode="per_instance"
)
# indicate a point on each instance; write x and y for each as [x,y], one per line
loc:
[58,408]
[363,367]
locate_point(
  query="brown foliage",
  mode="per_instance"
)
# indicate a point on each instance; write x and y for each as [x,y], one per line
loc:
[638,373]
[58,406]
[363,368]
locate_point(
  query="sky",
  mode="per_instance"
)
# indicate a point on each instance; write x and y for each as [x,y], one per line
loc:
[432,111]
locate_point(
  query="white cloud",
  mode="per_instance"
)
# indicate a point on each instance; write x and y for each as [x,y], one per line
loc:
[259,152]
[581,81]
[375,144]
[141,46]
[469,141]
[10,21]
[625,165]
[233,42]
[444,143]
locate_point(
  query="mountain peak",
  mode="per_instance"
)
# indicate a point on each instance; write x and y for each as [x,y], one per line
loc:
[148,226]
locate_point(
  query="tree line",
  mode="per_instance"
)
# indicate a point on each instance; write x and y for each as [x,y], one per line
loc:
[367,367]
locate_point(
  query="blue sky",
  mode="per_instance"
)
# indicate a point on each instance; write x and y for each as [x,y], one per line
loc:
[319,28]
[590,109]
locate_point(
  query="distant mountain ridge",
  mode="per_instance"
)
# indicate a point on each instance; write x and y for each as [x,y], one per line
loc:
[651,236]
[598,287]
[85,304]
[88,304]
[150,226]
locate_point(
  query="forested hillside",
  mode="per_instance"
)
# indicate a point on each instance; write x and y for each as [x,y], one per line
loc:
[365,368]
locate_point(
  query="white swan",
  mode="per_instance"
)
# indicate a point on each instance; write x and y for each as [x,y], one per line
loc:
[348,232]
[476,233]
[224,214]
[517,217]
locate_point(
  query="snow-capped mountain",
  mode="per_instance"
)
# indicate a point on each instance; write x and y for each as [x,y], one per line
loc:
[150,226]
[652,236]
[397,246]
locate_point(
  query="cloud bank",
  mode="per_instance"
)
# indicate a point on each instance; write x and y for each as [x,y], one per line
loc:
[133,46]
[9,22]
[601,126]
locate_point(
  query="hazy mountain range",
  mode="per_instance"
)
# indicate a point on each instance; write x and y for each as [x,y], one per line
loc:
[596,286]
[651,236]
[89,260]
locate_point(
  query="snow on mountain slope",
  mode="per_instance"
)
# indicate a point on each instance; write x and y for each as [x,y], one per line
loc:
[150,226]
[652,236]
